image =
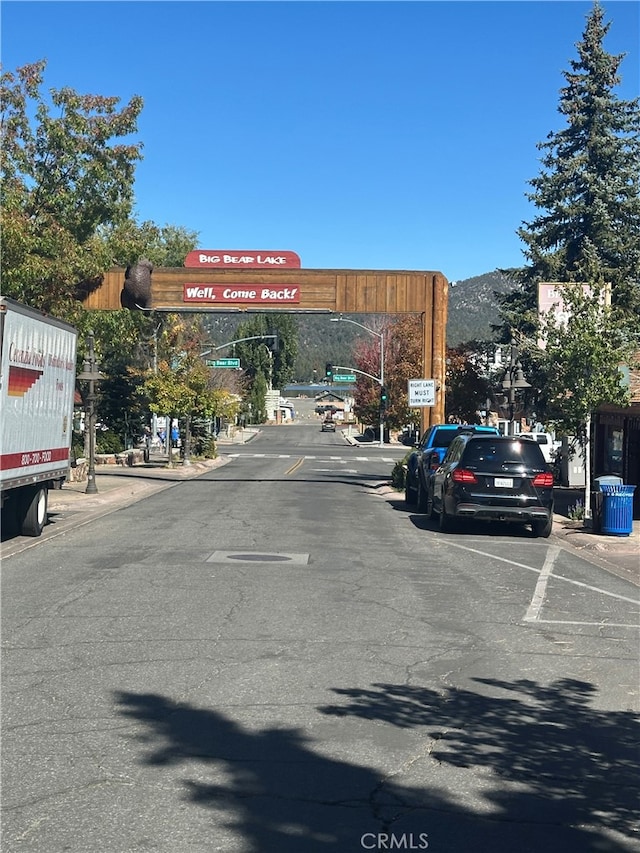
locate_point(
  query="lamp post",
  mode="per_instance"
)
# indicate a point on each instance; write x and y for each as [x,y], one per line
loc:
[379,335]
[91,374]
[513,381]
[186,459]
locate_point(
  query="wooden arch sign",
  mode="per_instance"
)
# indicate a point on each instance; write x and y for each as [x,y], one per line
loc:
[294,290]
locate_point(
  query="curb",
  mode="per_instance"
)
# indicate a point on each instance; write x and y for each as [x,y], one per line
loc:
[121,488]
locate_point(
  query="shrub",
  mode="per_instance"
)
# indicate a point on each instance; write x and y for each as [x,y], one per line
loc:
[77,447]
[205,447]
[576,512]
[399,474]
[108,442]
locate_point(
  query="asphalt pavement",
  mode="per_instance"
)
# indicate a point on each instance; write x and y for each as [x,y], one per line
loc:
[118,486]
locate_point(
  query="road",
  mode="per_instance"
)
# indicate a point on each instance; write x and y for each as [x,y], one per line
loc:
[279,657]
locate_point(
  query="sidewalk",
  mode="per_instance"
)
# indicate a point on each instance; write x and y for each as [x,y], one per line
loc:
[121,486]
[618,554]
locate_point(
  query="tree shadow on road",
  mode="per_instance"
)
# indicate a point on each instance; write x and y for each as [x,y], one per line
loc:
[577,763]
[549,772]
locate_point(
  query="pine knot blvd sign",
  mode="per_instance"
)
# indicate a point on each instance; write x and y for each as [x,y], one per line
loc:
[222,362]
[422,392]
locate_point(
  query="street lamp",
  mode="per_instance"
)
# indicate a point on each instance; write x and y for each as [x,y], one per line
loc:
[91,374]
[381,379]
[513,381]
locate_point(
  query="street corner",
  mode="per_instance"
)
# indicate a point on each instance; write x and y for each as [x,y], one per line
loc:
[350,439]
[619,555]
[194,468]
[582,536]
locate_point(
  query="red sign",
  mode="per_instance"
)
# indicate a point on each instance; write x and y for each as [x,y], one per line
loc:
[236,259]
[8,461]
[254,294]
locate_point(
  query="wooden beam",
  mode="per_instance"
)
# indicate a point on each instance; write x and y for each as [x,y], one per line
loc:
[330,291]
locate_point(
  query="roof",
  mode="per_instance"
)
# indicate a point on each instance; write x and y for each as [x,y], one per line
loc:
[329,395]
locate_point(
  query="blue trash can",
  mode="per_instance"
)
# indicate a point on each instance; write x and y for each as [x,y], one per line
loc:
[617,510]
[596,498]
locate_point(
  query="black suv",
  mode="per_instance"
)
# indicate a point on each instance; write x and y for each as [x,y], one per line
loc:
[493,478]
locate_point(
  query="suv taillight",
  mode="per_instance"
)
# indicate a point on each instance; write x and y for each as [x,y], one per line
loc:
[543,481]
[463,475]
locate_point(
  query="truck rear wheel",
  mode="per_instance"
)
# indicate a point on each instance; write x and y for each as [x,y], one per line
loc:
[34,511]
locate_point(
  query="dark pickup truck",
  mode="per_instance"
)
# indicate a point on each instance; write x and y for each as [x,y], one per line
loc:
[427,455]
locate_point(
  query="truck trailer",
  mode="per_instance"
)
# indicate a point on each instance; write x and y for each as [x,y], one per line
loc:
[37,388]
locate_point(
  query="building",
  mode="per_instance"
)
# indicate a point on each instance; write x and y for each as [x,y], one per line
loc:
[616,438]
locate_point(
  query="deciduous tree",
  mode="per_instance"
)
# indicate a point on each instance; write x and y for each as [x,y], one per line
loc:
[467,385]
[67,171]
[402,361]
[581,359]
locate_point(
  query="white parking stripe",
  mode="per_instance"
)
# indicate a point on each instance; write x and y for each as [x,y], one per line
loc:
[541,587]
[601,624]
[537,571]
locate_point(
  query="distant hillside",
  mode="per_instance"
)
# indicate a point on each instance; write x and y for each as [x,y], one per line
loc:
[473,306]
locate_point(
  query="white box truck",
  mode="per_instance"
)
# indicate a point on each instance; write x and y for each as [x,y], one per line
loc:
[37,387]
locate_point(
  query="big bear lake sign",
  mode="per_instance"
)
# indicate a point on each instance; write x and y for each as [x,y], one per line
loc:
[267,281]
[236,259]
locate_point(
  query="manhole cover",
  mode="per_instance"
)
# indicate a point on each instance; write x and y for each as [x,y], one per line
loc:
[258,557]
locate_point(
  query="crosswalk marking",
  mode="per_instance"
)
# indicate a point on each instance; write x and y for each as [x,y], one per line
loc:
[311,457]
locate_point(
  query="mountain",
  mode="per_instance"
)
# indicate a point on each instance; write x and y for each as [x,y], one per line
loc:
[473,306]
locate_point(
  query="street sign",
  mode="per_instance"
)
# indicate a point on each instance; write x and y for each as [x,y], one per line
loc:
[223,362]
[422,392]
[344,377]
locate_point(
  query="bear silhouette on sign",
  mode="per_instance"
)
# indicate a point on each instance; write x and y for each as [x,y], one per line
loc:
[136,292]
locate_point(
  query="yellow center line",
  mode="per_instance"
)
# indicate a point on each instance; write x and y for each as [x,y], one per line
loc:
[295,466]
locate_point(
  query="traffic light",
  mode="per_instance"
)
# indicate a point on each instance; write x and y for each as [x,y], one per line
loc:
[384,399]
[273,342]
[328,370]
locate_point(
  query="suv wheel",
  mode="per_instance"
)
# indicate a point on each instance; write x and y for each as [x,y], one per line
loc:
[445,522]
[430,510]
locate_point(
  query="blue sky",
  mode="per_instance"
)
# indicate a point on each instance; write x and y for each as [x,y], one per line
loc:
[361,135]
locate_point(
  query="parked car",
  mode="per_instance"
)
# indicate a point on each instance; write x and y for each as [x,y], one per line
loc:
[427,456]
[547,444]
[493,478]
[328,425]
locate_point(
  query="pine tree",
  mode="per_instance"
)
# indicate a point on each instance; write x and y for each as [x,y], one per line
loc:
[588,227]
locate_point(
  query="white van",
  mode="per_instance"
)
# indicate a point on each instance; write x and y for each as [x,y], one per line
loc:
[547,444]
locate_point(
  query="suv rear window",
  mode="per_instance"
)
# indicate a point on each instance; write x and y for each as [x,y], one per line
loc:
[489,455]
[444,437]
